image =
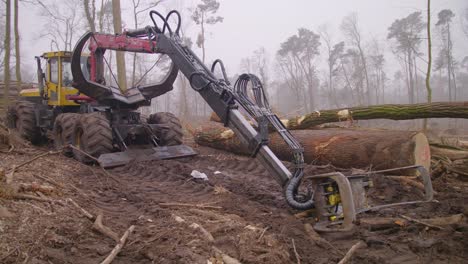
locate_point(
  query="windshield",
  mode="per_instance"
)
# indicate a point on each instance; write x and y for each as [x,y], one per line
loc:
[67,78]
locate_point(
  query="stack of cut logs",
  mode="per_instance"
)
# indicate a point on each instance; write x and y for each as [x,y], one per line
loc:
[348,147]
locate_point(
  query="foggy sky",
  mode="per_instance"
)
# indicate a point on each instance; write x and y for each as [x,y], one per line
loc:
[250,24]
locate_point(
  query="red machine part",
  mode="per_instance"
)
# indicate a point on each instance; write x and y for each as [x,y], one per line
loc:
[100,42]
[79,98]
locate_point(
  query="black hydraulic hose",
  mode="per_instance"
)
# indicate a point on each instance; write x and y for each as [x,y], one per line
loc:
[179,21]
[165,21]
[223,70]
[152,12]
[259,107]
[291,194]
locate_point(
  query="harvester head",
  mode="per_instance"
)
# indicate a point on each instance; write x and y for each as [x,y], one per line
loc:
[339,198]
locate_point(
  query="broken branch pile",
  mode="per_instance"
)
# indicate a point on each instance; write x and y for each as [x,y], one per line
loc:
[448,159]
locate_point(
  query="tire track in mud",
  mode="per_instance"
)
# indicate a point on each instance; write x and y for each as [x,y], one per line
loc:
[146,184]
[253,198]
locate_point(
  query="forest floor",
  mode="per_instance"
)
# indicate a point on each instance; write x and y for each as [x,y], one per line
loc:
[241,210]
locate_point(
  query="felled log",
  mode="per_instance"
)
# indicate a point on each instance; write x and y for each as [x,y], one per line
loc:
[452,153]
[389,222]
[344,148]
[389,111]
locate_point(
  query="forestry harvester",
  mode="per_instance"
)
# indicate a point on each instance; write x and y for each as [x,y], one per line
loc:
[101,121]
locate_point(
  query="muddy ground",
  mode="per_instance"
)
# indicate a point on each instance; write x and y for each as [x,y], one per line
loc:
[244,212]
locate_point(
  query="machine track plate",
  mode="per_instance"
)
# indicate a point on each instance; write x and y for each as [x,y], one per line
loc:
[135,155]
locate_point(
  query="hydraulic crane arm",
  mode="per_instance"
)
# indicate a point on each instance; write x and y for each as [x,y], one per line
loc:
[220,96]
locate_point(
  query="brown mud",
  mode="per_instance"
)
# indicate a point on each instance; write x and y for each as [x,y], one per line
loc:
[242,208]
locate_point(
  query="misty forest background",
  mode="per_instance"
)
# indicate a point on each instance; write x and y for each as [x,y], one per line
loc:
[314,69]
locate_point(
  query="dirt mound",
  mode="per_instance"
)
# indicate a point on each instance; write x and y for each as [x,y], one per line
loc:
[238,212]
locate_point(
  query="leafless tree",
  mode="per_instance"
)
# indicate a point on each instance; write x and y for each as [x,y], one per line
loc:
[377,74]
[6,45]
[444,22]
[63,21]
[334,55]
[90,12]
[429,55]
[261,62]
[140,7]
[120,56]
[351,30]
[353,72]
[17,46]
[2,37]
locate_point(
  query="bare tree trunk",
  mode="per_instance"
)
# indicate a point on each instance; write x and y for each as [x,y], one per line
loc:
[429,53]
[183,100]
[429,61]
[101,17]
[135,19]
[366,75]
[202,24]
[90,14]
[6,61]
[416,90]
[348,82]
[411,80]
[449,75]
[120,56]
[17,46]
[203,53]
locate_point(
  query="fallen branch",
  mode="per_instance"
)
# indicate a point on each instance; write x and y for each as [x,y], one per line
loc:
[226,258]
[208,236]
[388,222]
[38,208]
[421,222]
[409,181]
[98,226]
[85,213]
[319,241]
[9,175]
[31,197]
[35,158]
[49,180]
[34,187]
[447,151]
[119,246]
[83,152]
[447,220]
[189,205]
[298,258]
[263,233]
[305,213]
[352,250]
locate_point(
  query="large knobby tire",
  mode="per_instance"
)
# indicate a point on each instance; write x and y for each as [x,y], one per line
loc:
[25,122]
[64,127]
[92,135]
[172,136]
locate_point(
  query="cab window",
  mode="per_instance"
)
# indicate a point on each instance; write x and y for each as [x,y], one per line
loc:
[67,78]
[53,62]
